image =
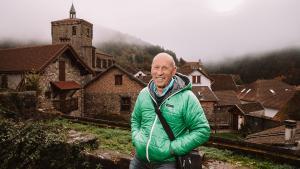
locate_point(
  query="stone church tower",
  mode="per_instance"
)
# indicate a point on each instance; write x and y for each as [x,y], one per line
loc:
[76,32]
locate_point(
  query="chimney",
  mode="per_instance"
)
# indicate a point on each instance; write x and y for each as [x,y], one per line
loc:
[290,131]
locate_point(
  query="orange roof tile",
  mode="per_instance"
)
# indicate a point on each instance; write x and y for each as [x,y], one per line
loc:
[66,85]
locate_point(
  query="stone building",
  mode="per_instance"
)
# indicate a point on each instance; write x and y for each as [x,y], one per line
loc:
[103,61]
[60,70]
[111,94]
[79,34]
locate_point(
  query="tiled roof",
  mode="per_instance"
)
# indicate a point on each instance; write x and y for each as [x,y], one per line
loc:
[66,85]
[204,93]
[272,136]
[121,69]
[270,93]
[250,107]
[227,97]
[189,67]
[291,110]
[145,79]
[102,55]
[28,58]
[17,60]
[223,82]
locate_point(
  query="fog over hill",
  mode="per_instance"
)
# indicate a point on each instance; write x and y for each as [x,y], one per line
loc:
[103,34]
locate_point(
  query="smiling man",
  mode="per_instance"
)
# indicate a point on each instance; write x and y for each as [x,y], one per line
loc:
[171,92]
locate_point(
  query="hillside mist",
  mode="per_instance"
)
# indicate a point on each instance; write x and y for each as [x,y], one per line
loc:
[282,64]
[134,54]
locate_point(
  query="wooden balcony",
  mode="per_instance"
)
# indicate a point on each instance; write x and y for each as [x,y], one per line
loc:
[66,106]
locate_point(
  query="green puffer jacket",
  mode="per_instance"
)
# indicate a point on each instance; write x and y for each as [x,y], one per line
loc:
[183,113]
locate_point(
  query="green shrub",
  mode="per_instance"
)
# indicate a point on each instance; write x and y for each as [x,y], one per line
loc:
[35,145]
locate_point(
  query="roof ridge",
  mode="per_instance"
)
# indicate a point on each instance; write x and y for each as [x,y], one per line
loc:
[26,47]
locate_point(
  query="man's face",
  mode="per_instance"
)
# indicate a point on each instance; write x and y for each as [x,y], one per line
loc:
[162,71]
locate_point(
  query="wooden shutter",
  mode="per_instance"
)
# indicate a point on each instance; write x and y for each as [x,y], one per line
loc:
[62,71]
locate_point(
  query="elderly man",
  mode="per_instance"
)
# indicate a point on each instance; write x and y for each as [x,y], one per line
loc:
[171,92]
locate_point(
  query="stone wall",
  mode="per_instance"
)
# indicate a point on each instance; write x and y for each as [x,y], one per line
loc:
[208,108]
[107,106]
[19,103]
[102,98]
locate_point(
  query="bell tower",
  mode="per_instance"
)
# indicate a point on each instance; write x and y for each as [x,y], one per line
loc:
[76,32]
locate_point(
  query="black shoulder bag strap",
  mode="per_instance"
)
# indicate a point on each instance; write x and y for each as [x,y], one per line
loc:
[163,122]
[167,129]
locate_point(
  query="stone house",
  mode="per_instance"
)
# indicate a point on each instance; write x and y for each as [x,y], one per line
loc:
[111,95]
[61,75]
[207,99]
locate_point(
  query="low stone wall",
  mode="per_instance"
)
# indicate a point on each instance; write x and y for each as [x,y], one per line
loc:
[266,151]
[19,103]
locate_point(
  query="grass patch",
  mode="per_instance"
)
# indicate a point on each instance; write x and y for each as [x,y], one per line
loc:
[241,160]
[120,140]
[111,139]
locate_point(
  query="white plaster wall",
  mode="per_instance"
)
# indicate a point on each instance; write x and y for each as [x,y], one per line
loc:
[204,80]
[270,112]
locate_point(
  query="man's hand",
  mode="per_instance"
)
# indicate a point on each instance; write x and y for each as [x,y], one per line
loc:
[132,153]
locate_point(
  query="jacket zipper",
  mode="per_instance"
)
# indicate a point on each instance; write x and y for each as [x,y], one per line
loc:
[148,142]
[147,147]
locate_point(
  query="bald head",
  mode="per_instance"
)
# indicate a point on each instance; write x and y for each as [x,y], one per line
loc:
[164,57]
[162,70]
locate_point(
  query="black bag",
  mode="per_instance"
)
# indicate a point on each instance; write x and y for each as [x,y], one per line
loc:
[193,159]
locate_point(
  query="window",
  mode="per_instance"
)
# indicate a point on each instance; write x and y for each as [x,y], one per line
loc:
[109,63]
[98,63]
[104,63]
[73,30]
[93,60]
[4,83]
[125,103]
[118,79]
[88,32]
[62,71]
[196,79]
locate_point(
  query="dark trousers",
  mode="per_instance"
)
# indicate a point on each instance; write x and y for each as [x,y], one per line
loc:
[135,163]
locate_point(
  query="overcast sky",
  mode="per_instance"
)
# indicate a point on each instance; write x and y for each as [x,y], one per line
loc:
[209,30]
